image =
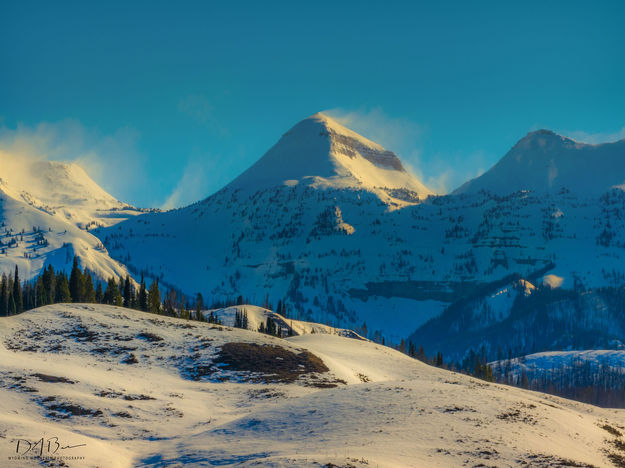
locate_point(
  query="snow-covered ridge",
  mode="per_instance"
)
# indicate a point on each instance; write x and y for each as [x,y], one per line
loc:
[544,161]
[256,316]
[103,376]
[549,360]
[61,189]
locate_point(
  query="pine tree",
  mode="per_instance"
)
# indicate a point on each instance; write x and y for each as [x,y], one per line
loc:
[169,304]
[29,293]
[143,296]
[438,360]
[90,295]
[133,297]
[48,278]
[41,294]
[127,292]
[61,293]
[154,298]
[17,292]
[112,295]
[76,283]
[199,305]
[99,294]
[271,328]
[11,309]
[4,295]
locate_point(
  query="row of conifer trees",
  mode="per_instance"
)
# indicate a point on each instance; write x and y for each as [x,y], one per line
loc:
[52,287]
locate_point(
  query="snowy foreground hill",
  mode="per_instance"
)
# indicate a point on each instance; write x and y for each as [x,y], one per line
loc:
[126,388]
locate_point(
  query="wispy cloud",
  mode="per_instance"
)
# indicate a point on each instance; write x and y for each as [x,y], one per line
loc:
[397,134]
[447,173]
[202,112]
[400,135]
[112,160]
[442,173]
[595,138]
[191,187]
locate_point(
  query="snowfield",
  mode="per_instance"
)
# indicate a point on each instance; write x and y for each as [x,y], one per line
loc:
[332,224]
[32,238]
[46,210]
[147,390]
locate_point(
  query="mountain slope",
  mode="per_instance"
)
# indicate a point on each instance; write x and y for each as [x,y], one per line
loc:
[310,202]
[544,161]
[67,371]
[353,255]
[321,152]
[63,190]
[31,239]
[46,208]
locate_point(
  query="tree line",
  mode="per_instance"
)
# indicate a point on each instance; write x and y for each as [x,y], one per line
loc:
[55,286]
[598,383]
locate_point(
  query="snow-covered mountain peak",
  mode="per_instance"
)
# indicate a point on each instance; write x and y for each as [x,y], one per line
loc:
[61,189]
[335,129]
[545,141]
[545,162]
[321,152]
[46,208]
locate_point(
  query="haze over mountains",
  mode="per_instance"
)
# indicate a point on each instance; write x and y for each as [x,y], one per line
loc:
[332,224]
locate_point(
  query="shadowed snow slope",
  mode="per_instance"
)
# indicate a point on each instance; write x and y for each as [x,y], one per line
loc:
[546,162]
[102,376]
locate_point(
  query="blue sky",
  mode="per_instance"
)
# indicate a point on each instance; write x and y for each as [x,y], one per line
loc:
[165,102]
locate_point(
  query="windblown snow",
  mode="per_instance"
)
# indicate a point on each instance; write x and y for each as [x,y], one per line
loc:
[321,152]
[46,209]
[63,190]
[126,388]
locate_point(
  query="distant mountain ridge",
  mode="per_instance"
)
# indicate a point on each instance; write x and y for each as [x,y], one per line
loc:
[545,162]
[332,223]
